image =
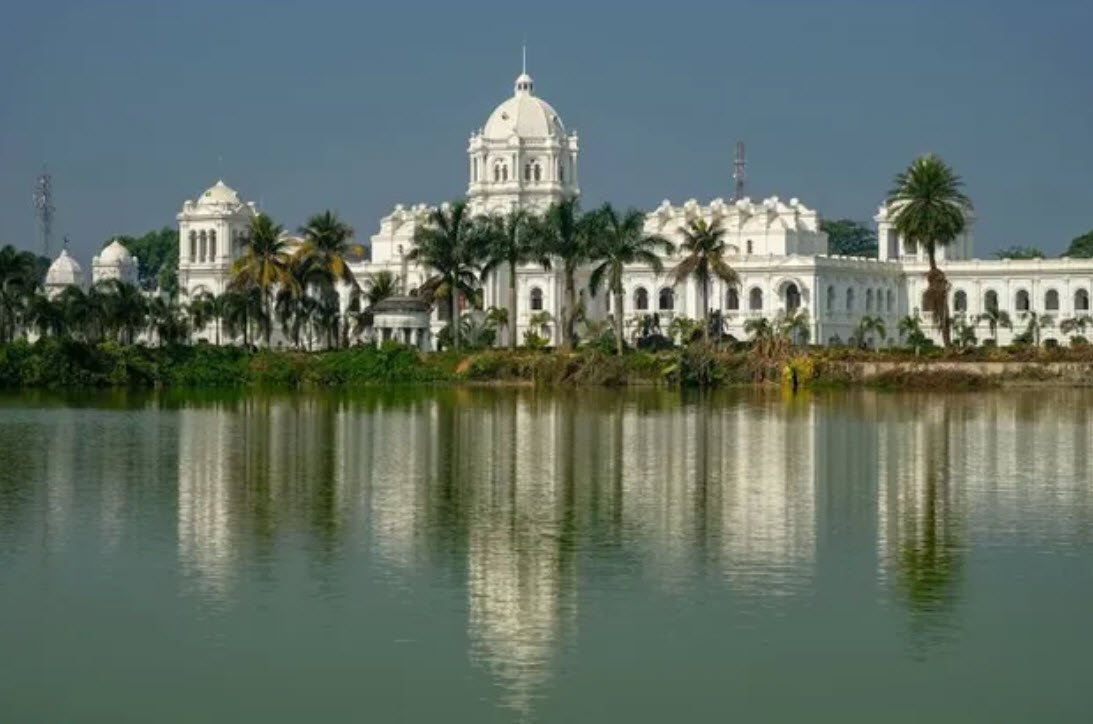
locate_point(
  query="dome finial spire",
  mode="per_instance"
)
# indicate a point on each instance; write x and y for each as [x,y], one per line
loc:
[524,58]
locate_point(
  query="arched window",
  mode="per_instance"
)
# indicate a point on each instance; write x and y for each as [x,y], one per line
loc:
[732,299]
[850,299]
[1051,301]
[960,301]
[891,301]
[641,299]
[535,302]
[831,298]
[868,300]
[990,301]
[212,245]
[193,246]
[793,297]
[504,172]
[537,171]
[667,300]
[748,246]
[497,173]
[561,172]
[527,171]
[204,245]
[755,299]
[1081,301]
[1021,303]
[474,170]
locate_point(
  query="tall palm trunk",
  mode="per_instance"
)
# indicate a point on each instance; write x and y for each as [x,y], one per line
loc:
[618,319]
[454,322]
[512,306]
[705,310]
[937,292]
[570,314]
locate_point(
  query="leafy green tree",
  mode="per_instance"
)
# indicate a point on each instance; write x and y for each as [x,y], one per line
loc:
[449,243]
[1018,252]
[703,251]
[931,211]
[167,322]
[618,242]
[1081,247]
[509,242]
[264,265]
[564,233]
[846,237]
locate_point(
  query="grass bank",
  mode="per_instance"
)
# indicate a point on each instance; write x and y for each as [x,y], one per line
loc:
[67,364]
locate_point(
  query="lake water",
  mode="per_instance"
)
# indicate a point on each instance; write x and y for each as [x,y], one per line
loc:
[512,555]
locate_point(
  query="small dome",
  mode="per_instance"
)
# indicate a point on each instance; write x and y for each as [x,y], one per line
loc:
[115,253]
[524,115]
[64,271]
[219,194]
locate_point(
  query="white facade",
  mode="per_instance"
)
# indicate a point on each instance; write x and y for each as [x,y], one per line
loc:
[524,158]
[211,232]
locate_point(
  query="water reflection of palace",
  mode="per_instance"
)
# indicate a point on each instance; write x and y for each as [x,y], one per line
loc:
[518,490]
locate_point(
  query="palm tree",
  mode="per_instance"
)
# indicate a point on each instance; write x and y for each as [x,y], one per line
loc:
[683,328]
[508,243]
[965,331]
[242,310]
[759,328]
[1076,324]
[869,325]
[380,285]
[166,321]
[618,242]
[931,210]
[264,265]
[126,309]
[1036,323]
[564,234]
[449,243]
[995,318]
[703,250]
[18,279]
[795,326]
[47,316]
[327,249]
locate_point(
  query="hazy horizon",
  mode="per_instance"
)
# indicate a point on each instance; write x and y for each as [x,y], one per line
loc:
[136,108]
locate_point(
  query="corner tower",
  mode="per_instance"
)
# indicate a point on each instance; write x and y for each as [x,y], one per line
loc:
[523,158]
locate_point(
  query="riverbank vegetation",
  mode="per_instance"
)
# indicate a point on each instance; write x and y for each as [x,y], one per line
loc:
[58,363]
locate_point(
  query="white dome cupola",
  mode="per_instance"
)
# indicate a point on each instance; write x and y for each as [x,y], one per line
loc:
[212,231]
[115,262]
[64,272]
[522,157]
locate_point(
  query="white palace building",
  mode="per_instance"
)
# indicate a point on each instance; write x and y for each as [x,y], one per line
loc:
[525,158]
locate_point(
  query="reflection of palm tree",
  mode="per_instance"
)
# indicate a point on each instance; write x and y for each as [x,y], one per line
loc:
[929,559]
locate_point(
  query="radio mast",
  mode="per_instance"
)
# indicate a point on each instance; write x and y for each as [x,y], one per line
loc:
[739,166]
[43,211]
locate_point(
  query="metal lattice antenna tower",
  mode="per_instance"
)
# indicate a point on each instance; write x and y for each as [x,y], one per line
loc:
[43,211]
[739,166]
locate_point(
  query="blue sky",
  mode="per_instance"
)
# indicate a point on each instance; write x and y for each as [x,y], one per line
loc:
[139,105]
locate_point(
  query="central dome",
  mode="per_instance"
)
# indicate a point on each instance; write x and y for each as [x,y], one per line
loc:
[116,253]
[524,115]
[219,194]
